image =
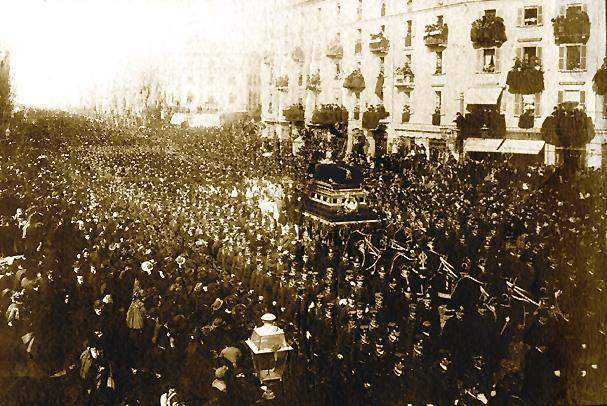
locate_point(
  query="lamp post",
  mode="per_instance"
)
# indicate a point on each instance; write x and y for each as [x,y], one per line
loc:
[269,350]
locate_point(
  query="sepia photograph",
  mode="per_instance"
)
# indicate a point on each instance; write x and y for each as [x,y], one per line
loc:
[303,202]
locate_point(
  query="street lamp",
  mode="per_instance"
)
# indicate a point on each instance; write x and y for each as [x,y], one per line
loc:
[269,350]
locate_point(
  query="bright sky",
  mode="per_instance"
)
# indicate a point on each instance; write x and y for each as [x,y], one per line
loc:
[61,48]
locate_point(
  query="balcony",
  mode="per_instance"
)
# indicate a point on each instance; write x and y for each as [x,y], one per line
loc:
[282,83]
[373,117]
[297,55]
[488,31]
[314,83]
[355,81]
[526,77]
[572,27]
[335,51]
[267,59]
[378,44]
[436,35]
[600,79]
[294,113]
[404,77]
[329,115]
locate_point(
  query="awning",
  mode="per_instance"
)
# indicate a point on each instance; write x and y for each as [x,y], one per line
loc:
[530,147]
[482,144]
[482,95]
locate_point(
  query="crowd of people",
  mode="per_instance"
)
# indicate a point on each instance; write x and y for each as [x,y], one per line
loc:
[136,261]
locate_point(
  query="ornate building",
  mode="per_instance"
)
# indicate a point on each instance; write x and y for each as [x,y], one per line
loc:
[426,61]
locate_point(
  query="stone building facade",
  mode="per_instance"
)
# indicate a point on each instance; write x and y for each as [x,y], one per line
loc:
[332,38]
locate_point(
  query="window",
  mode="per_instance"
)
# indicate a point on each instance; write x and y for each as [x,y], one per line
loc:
[439,63]
[439,19]
[359,9]
[337,70]
[406,106]
[408,36]
[572,57]
[438,101]
[526,102]
[573,96]
[489,65]
[408,59]
[338,8]
[407,98]
[529,53]
[530,16]
[383,9]
[574,8]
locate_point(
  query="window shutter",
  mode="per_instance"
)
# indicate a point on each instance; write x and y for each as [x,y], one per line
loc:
[538,54]
[518,104]
[519,53]
[562,55]
[538,104]
[479,60]
[497,60]
[583,57]
[520,21]
[503,106]
[540,17]
[560,97]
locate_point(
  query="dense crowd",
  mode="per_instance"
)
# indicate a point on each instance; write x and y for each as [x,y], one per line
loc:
[137,260]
